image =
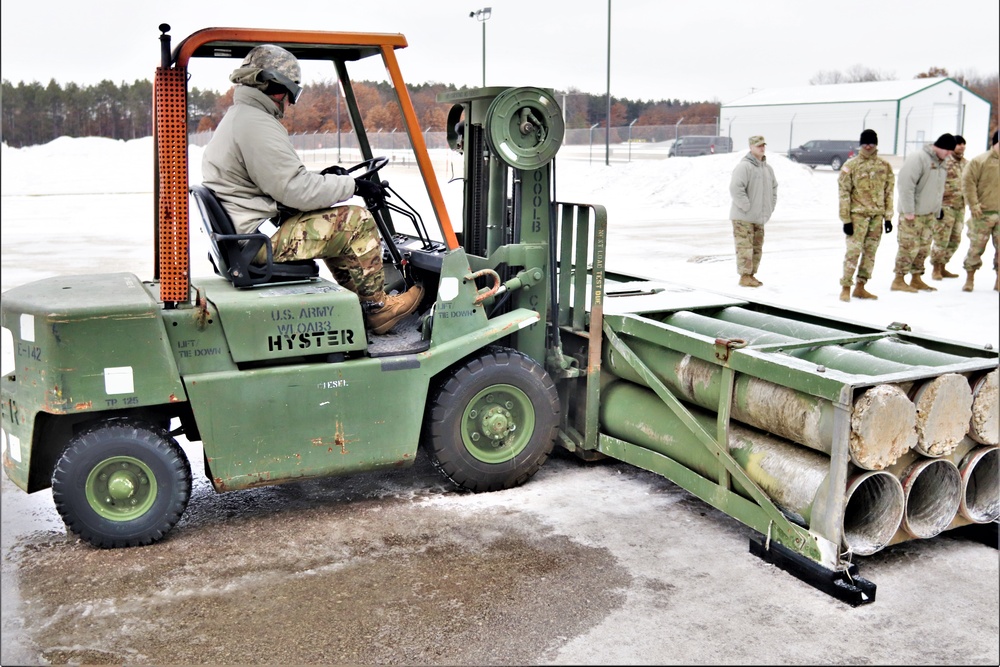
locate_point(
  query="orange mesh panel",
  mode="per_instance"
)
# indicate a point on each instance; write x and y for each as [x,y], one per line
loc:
[172,164]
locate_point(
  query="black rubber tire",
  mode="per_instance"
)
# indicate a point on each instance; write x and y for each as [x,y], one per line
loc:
[524,396]
[149,474]
[836,163]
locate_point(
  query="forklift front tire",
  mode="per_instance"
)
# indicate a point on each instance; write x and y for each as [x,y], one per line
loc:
[121,483]
[492,421]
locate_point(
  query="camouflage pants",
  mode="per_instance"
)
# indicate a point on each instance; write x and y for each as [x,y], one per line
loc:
[749,238]
[861,244]
[947,235]
[345,237]
[914,239]
[980,231]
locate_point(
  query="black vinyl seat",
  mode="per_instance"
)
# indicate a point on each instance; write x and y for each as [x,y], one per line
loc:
[232,254]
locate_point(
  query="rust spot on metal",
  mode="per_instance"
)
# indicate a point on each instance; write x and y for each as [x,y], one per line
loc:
[339,440]
[84,406]
[173,398]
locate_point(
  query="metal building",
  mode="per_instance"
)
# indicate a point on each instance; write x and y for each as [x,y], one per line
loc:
[905,114]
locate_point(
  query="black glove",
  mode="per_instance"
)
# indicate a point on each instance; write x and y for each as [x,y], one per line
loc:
[335,169]
[888,225]
[369,190]
[940,215]
[849,228]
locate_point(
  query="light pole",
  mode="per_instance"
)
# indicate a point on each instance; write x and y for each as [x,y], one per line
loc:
[592,142]
[607,132]
[630,139]
[483,15]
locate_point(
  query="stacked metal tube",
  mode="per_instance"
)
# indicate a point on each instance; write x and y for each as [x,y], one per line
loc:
[935,439]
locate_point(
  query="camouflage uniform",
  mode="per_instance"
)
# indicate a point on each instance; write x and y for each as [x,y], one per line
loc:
[981,184]
[344,236]
[947,232]
[866,184]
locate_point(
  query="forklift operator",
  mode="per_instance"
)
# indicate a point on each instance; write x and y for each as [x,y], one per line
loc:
[253,168]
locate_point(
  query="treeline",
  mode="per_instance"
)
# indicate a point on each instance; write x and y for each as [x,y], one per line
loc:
[36,114]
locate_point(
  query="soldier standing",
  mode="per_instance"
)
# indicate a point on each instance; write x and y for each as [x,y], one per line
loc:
[755,192]
[921,188]
[866,183]
[981,185]
[947,233]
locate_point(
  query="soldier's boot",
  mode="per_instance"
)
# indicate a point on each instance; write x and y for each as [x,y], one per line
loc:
[946,273]
[748,281]
[753,279]
[936,273]
[845,293]
[383,311]
[861,292]
[969,278]
[899,284]
[918,282]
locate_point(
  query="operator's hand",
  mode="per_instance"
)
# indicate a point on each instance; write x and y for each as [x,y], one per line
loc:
[888,225]
[849,228]
[940,215]
[334,169]
[910,217]
[369,190]
[977,211]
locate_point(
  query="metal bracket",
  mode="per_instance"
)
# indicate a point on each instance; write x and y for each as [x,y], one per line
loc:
[723,347]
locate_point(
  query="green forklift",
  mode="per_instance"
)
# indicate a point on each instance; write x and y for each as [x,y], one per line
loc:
[828,439]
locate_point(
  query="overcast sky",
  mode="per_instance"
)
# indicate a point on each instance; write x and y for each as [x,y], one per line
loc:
[718,51]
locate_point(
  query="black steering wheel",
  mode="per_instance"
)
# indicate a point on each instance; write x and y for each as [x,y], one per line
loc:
[371,166]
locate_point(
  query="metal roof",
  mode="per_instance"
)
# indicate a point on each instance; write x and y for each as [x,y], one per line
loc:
[868,91]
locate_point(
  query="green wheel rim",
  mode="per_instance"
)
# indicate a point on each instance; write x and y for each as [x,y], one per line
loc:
[498,423]
[121,488]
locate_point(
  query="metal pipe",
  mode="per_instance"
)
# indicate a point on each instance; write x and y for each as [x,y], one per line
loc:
[831,356]
[932,492]
[892,349]
[882,423]
[980,485]
[984,427]
[944,412]
[792,476]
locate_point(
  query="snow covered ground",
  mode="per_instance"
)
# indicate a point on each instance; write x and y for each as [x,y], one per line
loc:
[680,587]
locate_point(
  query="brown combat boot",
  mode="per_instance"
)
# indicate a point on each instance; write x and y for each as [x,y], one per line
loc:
[861,292]
[946,273]
[749,281]
[936,273]
[899,285]
[383,311]
[845,293]
[969,277]
[918,282]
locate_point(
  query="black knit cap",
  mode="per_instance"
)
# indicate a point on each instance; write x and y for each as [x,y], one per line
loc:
[946,142]
[959,140]
[869,137]
[994,142]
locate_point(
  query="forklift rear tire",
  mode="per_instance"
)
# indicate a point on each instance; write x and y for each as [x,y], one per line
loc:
[492,421]
[121,483]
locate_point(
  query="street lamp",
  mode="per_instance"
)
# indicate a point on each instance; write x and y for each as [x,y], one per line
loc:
[592,142]
[483,15]
[630,139]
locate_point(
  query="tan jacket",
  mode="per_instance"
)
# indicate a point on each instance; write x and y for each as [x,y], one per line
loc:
[251,165]
[981,181]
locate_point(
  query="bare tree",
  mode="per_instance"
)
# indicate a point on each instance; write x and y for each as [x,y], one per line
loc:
[853,74]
